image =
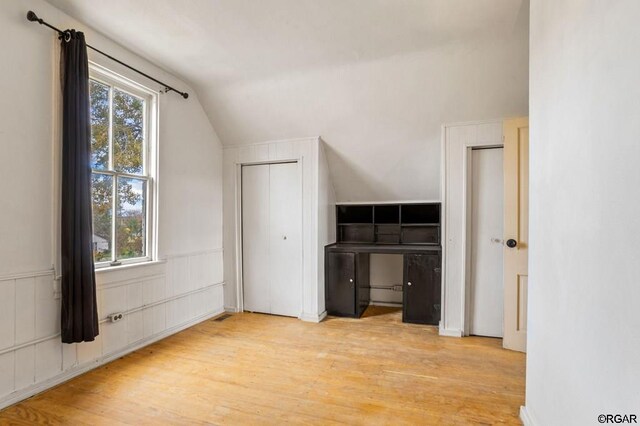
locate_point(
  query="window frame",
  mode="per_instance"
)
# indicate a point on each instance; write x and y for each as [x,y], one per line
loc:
[109,78]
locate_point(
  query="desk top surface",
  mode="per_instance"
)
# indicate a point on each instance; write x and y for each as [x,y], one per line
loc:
[383,248]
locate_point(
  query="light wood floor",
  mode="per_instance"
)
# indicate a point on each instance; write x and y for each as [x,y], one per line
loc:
[260,369]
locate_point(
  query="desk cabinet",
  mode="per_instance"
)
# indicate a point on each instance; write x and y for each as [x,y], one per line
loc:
[421,289]
[347,283]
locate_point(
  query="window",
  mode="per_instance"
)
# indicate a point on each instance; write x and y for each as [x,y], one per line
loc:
[122,162]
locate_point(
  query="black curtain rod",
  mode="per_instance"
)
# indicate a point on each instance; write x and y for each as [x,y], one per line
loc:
[31,16]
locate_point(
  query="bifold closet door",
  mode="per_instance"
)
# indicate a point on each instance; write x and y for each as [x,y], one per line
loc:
[285,248]
[255,238]
[272,238]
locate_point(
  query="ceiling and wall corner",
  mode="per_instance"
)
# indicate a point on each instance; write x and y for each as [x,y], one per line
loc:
[376,79]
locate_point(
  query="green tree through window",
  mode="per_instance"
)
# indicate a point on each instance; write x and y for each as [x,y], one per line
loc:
[119,179]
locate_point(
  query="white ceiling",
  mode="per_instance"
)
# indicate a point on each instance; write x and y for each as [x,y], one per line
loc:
[375,78]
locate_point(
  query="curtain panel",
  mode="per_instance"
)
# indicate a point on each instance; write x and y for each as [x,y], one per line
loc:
[79,307]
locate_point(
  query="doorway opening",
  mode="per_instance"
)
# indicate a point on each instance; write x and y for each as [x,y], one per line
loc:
[461,143]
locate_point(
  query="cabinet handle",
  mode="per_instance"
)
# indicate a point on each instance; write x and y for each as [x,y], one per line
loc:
[350,280]
[409,283]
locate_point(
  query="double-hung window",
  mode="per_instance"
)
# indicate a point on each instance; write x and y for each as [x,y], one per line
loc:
[123,165]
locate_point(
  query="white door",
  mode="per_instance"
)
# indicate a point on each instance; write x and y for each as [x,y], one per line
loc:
[285,239]
[272,238]
[255,238]
[486,269]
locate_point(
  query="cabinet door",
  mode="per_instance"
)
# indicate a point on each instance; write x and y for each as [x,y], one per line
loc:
[341,278]
[421,289]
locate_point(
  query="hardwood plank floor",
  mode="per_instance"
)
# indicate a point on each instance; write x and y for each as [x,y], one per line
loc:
[261,369]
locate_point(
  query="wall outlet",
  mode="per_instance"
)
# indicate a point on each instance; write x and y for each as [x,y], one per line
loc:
[115,317]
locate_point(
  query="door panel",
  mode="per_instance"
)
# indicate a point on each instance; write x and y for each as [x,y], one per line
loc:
[256,267]
[421,289]
[272,239]
[341,279]
[285,214]
[486,248]
[516,227]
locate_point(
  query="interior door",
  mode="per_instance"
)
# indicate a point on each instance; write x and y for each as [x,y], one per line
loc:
[272,239]
[285,218]
[486,248]
[256,265]
[516,232]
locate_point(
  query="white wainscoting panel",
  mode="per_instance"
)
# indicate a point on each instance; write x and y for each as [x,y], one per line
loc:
[157,299]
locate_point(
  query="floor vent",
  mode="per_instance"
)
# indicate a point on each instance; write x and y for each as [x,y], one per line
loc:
[222,317]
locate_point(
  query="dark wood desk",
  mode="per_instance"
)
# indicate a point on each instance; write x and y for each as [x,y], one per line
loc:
[347,281]
[409,229]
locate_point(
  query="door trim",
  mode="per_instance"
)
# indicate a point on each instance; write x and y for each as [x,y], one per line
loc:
[455,163]
[239,228]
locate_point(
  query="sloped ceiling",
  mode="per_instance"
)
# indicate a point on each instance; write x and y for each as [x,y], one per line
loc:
[375,78]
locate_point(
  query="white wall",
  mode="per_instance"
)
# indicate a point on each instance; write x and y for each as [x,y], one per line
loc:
[381,118]
[307,152]
[184,288]
[584,322]
[386,270]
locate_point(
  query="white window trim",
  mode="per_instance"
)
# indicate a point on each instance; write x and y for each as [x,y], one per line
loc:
[150,159]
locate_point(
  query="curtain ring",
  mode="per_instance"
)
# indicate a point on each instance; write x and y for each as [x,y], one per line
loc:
[66,36]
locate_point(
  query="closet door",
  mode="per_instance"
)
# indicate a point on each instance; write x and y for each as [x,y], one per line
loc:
[255,238]
[272,239]
[285,241]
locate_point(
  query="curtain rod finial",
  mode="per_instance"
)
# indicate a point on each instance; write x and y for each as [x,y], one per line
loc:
[31,16]
[185,95]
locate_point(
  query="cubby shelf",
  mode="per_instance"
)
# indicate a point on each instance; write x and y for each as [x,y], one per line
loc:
[415,223]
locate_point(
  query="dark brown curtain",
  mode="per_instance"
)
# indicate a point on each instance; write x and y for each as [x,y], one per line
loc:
[79,308]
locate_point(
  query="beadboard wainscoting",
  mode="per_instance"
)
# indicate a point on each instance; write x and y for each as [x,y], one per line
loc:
[156,300]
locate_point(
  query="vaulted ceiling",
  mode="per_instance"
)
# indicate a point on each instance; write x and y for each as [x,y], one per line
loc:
[375,78]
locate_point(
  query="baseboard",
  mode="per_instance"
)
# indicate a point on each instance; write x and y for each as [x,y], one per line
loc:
[231,309]
[450,332]
[313,318]
[32,390]
[525,417]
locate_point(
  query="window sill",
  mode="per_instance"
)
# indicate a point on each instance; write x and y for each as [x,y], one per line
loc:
[130,266]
